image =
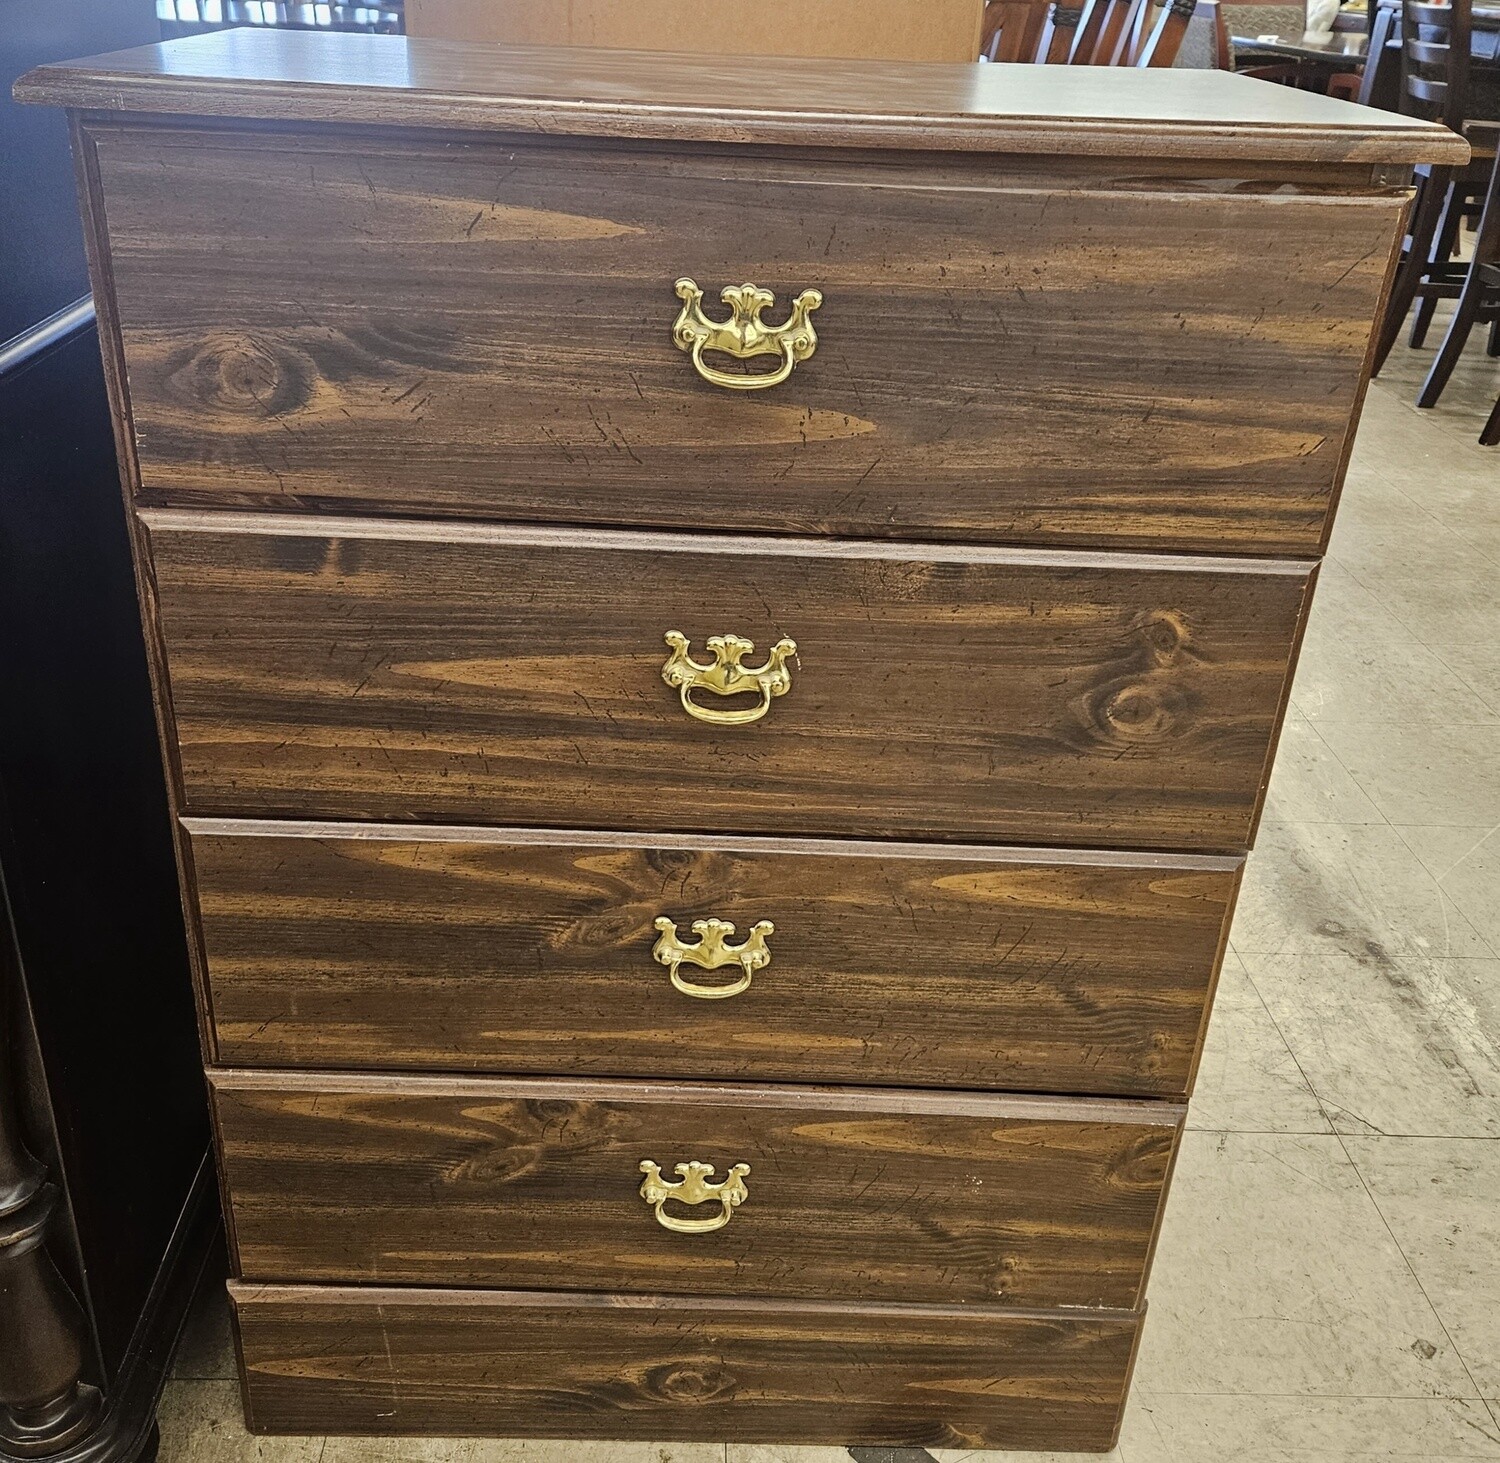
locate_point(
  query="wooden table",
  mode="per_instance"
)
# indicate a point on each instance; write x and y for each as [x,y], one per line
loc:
[1348,50]
[1345,49]
[1486,17]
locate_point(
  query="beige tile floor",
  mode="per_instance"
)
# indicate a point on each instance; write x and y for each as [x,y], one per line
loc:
[1328,1283]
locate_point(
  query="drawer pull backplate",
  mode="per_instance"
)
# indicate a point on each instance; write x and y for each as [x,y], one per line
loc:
[744,334]
[726,676]
[694,1188]
[711,951]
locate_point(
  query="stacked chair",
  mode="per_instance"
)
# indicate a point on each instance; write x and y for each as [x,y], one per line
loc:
[1095,33]
[1435,58]
[1436,61]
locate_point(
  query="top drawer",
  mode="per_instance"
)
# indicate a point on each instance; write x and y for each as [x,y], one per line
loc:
[482,329]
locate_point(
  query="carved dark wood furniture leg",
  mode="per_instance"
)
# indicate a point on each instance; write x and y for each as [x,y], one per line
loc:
[45,1403]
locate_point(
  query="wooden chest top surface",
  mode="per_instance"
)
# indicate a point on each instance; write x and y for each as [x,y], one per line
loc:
[1067,110]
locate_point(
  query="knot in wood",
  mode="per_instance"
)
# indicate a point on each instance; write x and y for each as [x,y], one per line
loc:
[692,1382]
[242,375]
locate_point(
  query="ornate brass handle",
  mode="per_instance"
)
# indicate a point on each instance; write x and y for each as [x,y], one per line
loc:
[726,676]
[710,952]
[694,1189]
[744,334]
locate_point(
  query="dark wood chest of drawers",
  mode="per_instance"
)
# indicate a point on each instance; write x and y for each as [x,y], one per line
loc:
[709,828]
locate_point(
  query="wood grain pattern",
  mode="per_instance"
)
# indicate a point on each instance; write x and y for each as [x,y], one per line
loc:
[392,81]
[854,1193]
[449,1362]
[444,673]
[370,946]
[484,330]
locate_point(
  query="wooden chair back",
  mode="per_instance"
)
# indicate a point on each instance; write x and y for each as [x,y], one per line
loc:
[1132,32]
[1110,23]
[1435,54]
[1381,83]
[1162,34]
[1013,29]
[1223,51]
[1094,33]
[1060,34]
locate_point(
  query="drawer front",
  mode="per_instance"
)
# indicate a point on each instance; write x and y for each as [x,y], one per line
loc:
[381,946]
[412,671]
[455,1363]
[482,329]
[848,1194]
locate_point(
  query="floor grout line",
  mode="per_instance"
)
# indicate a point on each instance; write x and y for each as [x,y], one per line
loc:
[1401,1250]
[1375,1203]
[1422,640]
[1343,767]
[1443,894]
[1401,829]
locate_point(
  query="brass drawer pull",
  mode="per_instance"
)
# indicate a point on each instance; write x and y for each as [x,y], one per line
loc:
[744,334]
[726,676]
[712,951]
[695,1189]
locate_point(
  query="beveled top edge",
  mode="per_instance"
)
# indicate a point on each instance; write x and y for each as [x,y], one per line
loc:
[299,76]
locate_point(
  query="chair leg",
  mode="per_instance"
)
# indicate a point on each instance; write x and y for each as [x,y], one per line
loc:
[1490,437]
[1492,348]
[1464,315]
[1457,207]
[1429,208]
[1422,321]
[1471,300]
[1442,252]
